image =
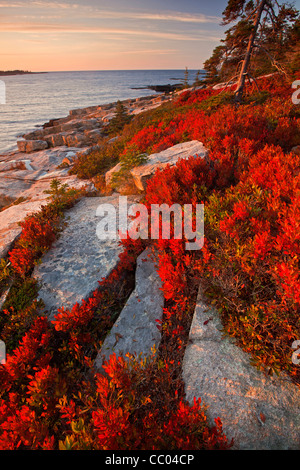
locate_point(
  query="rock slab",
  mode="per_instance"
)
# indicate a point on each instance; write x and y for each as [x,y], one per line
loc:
[10,229]
[23,184]
[135,331]
[260,412]
[69,272]
[170,156]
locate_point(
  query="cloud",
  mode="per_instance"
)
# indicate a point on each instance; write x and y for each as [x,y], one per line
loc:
[152,51]
[39,4]
[82,29]
[89,11]
[162,16]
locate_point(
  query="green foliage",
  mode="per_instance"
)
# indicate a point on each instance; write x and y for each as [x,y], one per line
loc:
[257,97]
[21,294]
[216,101]
[61,196]
[4,270]
[130,160]
[185,82]
[97,162]
[275,45]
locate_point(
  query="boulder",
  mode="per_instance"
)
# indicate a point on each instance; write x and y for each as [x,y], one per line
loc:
[69,158]
[29,146]
[75,139]
[55,140]
[22,145]
[90,124]
[84,111]
[51,123]
[135,331]
[35,145]
[260,412]
[160,160]
[70,126]
[35,135]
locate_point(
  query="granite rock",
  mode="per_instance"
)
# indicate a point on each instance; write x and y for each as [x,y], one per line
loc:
[10,229]
[24,189]
[135,331]
[69,272]
[29,146]
[170,157]
[260,412]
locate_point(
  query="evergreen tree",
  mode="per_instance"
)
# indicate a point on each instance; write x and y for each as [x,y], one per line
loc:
[261,28]
[185,82]
[197,81]
[119,120]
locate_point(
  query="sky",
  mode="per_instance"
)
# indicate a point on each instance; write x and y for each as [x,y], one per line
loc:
[61,35]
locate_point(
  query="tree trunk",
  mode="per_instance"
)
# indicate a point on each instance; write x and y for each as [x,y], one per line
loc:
[246,61]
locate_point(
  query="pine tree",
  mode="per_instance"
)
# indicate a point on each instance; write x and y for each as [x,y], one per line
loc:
[244,70]
[119,120]
[197,81]
[185,82]
[261,29]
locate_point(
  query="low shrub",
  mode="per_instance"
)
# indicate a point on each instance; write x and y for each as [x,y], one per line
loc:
[51,397]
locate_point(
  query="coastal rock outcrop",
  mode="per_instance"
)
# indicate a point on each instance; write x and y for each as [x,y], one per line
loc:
[23,184]
[51,151]
[69,272]
[29,146]
[160,160]
[258,411]
[82,127]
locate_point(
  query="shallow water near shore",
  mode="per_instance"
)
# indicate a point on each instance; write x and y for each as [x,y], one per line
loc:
[32,100]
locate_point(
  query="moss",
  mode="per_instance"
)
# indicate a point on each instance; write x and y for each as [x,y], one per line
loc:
[21,294]
[215,102]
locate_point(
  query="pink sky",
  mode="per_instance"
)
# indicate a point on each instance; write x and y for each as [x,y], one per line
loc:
[101,35]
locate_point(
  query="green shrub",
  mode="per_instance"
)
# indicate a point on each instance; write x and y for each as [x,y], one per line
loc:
[118,122]
[97,161]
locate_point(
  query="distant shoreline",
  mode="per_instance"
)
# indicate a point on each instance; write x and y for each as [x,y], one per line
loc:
[17,72]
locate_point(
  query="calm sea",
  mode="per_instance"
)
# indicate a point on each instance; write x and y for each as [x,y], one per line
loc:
[31,100]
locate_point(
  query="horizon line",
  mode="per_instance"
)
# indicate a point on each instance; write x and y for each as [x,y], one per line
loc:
[104,70]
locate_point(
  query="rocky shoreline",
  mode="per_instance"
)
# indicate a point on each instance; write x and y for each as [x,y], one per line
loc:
[83,127]
[258,411]
[48,153]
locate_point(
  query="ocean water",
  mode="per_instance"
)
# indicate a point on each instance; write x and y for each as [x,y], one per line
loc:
[32,100]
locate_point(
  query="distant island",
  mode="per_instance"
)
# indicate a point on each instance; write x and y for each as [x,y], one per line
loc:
[17,72]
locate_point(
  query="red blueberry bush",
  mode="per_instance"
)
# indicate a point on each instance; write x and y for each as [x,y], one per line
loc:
[52,398]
